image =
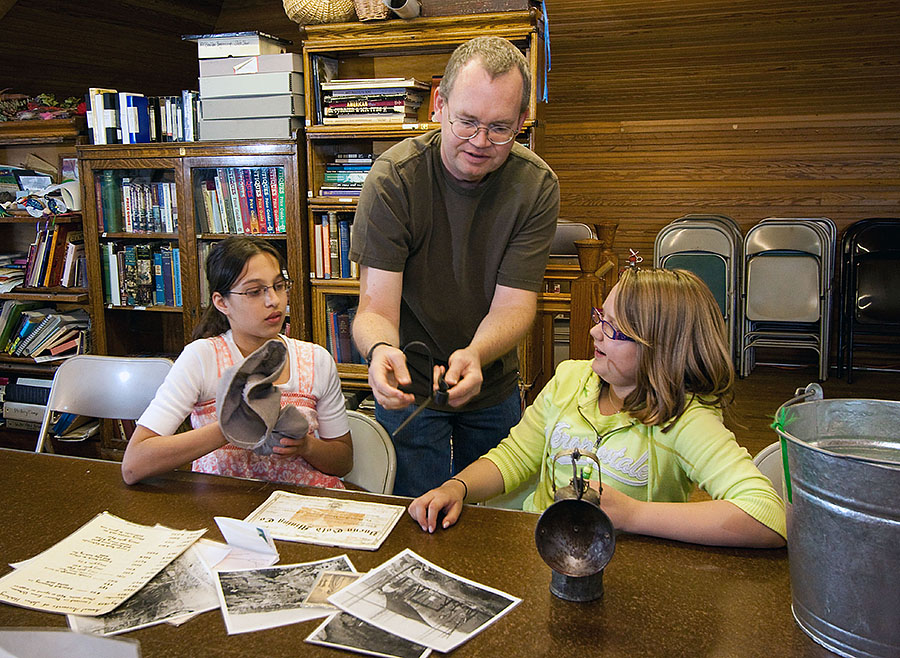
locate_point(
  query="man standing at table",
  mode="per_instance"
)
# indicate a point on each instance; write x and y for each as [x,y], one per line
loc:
[452,234]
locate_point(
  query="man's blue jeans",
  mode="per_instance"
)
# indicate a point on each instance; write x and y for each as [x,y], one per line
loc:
[439,444]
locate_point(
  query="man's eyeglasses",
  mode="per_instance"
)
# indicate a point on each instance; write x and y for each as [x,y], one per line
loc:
[606,327]
[497,135]
[258,292]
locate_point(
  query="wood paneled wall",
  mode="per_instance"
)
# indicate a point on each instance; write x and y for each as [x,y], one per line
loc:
[65,46]
[657,107]
[748,108]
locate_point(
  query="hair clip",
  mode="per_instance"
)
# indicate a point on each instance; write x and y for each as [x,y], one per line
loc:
[633,262]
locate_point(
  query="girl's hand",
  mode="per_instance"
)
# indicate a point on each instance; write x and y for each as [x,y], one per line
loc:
[619,507]
[446,500]
[293,447]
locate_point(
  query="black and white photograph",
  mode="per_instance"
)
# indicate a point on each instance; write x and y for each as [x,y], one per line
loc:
[183,589]
[327,584]
[343,631]
[413,598]
[255,599]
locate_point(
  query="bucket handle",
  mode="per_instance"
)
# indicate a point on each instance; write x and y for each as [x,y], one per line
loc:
[809,393]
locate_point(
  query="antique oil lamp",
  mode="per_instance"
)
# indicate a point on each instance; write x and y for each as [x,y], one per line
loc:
[574,536]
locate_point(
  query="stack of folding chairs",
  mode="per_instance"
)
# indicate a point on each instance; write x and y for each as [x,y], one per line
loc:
[870,287]
[710,247]
[788,268]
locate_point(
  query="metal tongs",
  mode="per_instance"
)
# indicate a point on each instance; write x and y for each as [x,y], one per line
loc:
[426,365]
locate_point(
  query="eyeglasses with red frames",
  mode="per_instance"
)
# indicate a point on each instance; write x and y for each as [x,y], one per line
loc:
[606,327]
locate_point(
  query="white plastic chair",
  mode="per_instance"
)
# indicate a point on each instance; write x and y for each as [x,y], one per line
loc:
[374,459]
[769,462]
[103,387]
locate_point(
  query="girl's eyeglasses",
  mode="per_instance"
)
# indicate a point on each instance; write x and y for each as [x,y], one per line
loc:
[258,292]
[606,327]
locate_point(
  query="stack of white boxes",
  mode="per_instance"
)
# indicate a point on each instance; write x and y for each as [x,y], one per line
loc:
[249,87]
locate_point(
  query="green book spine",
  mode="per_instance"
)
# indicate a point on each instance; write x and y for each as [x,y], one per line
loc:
[111,197]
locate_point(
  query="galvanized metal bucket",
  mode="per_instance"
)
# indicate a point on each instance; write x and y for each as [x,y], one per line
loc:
[843,490]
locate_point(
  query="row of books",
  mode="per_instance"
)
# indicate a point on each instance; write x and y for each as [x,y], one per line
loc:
[131,202]
[56,258]
[26,329]
[115,117]
[241,200]
[25,402]
[141,274]
[345,174]
[12,270]
[340,312]
[373,100]
[331,242]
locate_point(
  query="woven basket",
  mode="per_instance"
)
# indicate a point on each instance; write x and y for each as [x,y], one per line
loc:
[307,12]
[371,10]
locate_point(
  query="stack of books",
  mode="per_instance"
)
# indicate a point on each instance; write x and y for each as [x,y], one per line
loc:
[115,117]
[331,242]
[245,200]
[136,204]
[250,88]
[12,270]
[141,274]
[345,174]
[373,100]
[28,331]
[56,258]
[25,402]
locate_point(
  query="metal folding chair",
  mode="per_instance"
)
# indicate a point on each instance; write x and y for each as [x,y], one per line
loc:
[103,387]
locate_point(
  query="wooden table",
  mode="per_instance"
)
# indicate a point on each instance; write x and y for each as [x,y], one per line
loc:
[661,598]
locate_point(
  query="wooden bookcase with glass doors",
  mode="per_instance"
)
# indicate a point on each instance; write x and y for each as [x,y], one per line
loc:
[417,48]
[167,204]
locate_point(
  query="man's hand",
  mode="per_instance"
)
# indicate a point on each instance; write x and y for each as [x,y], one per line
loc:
[464,376]
[387,372]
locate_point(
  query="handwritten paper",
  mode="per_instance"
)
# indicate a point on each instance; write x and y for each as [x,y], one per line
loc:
[326,521]
[96,568]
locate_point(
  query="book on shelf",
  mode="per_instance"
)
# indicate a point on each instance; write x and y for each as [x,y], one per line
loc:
[374,83]
[336,191]
[268,208]
[344,247]
[167,272]
[334,246]
[176,274]
[346,177]
[322,69]
[53,328]
[370,119]
[22,411]
[26,323]
[159,287]
[282,210]
[74,253]
[10,315]
[318,251]
[31,390]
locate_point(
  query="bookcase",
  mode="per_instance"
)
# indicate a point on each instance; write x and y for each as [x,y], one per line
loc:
[166,204]
[417,48]
[49,140]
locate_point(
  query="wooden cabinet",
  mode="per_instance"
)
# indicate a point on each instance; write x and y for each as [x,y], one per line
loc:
[417,48]
[49,140]
[172,202]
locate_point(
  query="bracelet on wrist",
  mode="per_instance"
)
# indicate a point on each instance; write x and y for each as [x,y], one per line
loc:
[465,487]
[371,351]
